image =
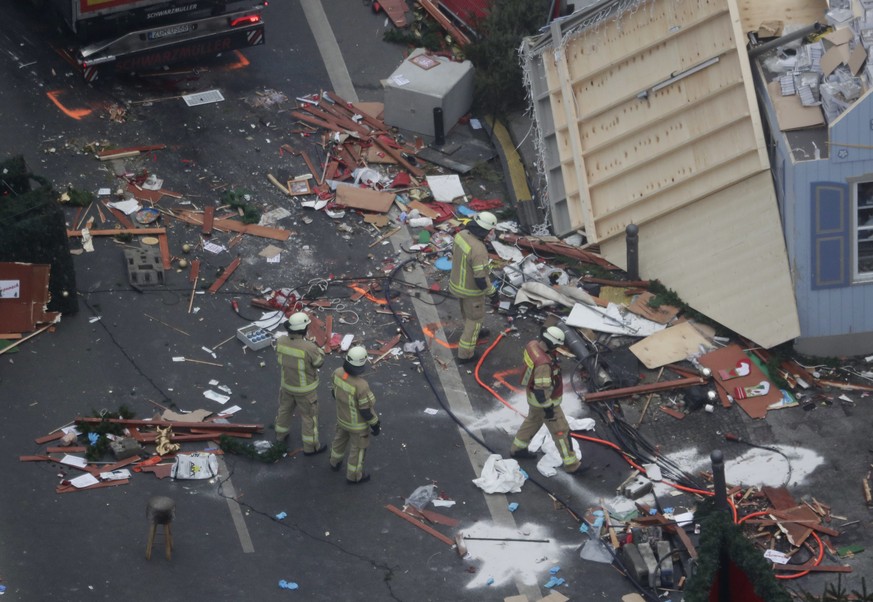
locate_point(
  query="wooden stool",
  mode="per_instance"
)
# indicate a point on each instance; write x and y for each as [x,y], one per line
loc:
[160,511]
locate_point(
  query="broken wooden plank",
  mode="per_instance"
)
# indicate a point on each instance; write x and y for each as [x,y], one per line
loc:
[208,220]
[111,154]
[192,218]
[434,11]
[119,215]
[102,484]
[387,148]
[224,276]
[429,530]
[164,246]
[215,426]
[117,231]
[645,388]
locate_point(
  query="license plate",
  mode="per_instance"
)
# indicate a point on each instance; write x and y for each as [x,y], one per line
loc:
[166,32]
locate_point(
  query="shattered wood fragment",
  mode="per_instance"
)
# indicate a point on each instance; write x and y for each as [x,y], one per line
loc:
[429,530]
[191,217]
[164,246]
[671,412]
[434,11]
[646,388]
[224,276]
[133,231]
[208,220]
[215,426]
[397,156]
[560,248]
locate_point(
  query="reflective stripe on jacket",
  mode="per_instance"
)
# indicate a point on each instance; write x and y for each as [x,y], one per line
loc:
[352,394]
[300,360]
[469,261]
[542,373]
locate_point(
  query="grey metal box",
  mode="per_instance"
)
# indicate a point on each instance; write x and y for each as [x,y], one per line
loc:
[254,337]
[412,93]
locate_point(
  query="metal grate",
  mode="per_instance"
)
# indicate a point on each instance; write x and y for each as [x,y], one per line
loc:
[203,98]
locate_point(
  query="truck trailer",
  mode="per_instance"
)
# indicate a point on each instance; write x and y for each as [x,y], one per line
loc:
[141,35]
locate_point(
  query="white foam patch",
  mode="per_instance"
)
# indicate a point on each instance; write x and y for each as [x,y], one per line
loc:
[507,420]
[756,466]
[508,561]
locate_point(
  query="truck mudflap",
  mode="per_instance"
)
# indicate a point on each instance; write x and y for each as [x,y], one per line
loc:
[171,51]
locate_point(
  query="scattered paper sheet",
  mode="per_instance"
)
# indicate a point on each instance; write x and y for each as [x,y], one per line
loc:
[213,248]
[610,319]
[115,475]
[399,79]
[270,251]
[446,188]
[85,480]
[210,394]
[127,207]
[230,411]
[274,259]
[74,461]
[431,411]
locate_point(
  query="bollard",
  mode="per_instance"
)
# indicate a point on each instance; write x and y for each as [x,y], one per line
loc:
[721,503]
[632,240]
[439,134]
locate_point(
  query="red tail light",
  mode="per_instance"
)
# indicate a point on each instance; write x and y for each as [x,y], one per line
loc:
[247,20]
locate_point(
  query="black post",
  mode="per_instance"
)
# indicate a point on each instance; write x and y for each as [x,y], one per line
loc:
[721,503]
[439,134]
[632,240]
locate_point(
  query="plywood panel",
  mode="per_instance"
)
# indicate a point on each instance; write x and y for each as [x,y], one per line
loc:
[629,118]
[627,78]
[635,33]
[791,12]
[724,256]
[656,138]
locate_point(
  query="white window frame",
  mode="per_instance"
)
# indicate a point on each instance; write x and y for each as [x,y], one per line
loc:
[857,228]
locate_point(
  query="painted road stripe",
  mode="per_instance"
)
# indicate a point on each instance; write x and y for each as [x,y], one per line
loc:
[329,49]
[236,514]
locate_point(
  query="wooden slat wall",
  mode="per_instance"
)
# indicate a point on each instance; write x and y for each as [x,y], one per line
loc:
[643,157]
[725,257]
[795,13]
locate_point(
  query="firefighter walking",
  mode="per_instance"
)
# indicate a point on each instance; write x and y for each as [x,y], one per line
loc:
[300,360]
[545,390]
[470,281]
[356,417]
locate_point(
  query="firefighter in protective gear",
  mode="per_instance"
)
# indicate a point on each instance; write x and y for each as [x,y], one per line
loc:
[356,417]
[299,360]
[470,281]
[545,389]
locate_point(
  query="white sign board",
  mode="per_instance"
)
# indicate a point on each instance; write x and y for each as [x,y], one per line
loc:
[10,289]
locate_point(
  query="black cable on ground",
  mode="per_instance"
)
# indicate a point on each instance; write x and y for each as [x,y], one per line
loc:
[419,354]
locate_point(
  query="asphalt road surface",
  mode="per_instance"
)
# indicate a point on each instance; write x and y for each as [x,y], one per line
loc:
[439,425]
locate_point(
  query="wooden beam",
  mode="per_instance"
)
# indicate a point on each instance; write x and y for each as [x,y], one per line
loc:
[208,219]
[430,531]
[224,276]
[213,426]
[397,156]
[165,251]
[659,386]
[117,231]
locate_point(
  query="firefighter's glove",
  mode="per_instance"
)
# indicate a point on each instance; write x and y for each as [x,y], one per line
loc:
[550,413]
[375,429]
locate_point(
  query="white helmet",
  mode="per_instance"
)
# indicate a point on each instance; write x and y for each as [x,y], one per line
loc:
[298,322]
[485,220]
[554,336]
[357,356]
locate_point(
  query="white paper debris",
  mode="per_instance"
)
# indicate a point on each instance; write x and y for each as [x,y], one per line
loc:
[115,475]
[86,480]
[74,461]
[776,556]
[431,411]
[446,188]
[210,394]
[213,248]
[127,207]
[399,79]
[230,411]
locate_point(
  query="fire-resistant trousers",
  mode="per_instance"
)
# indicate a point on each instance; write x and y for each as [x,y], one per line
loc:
[558,427]
[356,443]
[307,405]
